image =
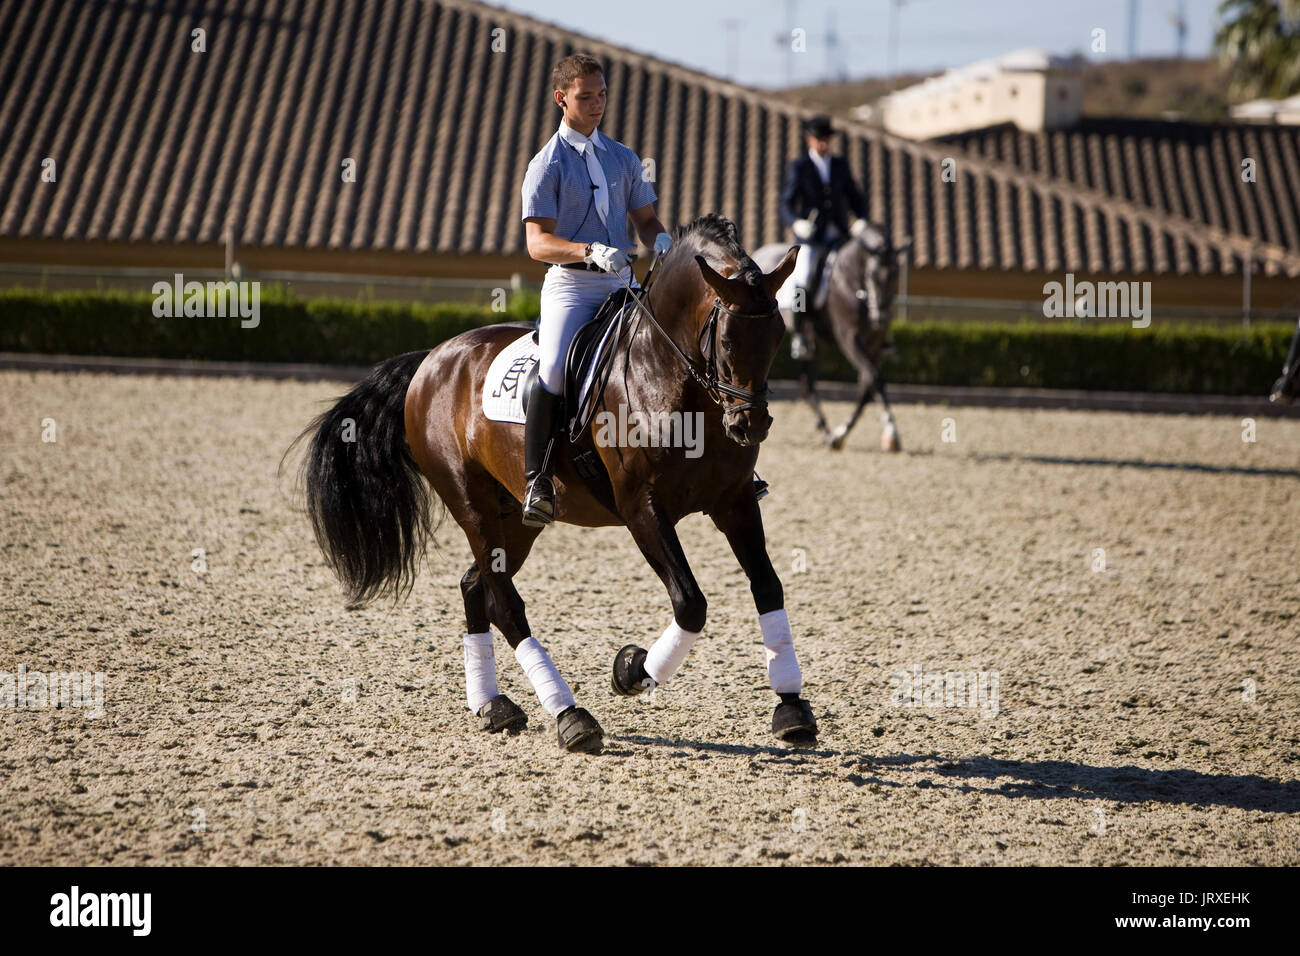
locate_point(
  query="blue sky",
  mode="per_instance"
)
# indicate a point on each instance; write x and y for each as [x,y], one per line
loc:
[933,34]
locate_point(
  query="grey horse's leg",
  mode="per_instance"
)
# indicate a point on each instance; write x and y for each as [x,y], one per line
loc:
[889,440]
[868,377]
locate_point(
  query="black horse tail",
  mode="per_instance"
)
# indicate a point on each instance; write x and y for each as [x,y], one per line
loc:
[367,500]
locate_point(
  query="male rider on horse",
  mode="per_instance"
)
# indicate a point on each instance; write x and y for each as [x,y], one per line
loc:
[578,193]
[817,195]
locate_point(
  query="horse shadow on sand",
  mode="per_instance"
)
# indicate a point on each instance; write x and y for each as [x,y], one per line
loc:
[1118,463]
[1029,779]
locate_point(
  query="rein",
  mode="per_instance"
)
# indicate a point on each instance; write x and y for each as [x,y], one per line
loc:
[708,379]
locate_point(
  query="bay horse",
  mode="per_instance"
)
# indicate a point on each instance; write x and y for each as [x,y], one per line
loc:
[703,346]
[856,316]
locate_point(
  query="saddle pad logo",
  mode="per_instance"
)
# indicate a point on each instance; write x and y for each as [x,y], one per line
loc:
[503,399]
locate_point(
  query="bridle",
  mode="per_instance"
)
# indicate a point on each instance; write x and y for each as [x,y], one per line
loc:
[708,378]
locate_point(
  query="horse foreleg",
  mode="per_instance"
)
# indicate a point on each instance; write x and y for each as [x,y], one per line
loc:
[889,440]
[867,376]
[634,667]
[742,523]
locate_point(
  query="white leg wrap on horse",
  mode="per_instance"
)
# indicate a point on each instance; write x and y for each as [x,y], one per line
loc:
[782,665]
[480,670]
[551,689]
[666,654]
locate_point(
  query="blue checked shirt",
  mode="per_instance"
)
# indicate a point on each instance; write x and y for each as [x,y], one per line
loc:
[558,186]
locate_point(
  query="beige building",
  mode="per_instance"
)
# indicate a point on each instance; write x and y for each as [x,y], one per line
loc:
[1029,89]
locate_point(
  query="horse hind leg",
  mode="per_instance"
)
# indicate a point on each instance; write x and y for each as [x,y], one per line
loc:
[807,358]
[500,542]
[889,440]
[495,711]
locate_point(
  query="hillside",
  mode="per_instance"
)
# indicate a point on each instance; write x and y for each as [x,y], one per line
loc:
[1194,89]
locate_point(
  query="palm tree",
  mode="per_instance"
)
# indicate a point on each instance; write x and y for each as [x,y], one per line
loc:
[1259,45]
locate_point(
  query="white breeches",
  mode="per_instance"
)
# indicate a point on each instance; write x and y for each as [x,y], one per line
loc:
[803,266]
[570,298]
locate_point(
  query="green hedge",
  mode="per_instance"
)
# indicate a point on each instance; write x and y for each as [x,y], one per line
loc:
[1213,360]
[328,331]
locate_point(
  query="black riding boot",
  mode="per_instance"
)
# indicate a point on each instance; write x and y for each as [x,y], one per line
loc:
[800,347]
[539,456]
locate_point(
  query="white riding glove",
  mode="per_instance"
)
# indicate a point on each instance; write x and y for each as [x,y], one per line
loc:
[662,242]
[858,226]
[802,228]
[608,258]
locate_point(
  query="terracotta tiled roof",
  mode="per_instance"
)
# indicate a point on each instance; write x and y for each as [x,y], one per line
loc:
[155,143]
[1187,170]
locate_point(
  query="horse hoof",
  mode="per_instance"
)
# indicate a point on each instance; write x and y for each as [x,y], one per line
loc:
[800,740]
[502,713]
[630,677]
[578,732]
[835,442]
[793,722]
[890,443]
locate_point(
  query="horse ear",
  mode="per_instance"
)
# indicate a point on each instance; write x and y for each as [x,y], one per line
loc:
[718,282]
[776,278]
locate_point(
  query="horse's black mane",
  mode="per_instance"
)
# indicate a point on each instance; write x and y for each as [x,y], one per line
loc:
[720,232]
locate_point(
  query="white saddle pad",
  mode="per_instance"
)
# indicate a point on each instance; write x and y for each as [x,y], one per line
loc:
[503,399]
[785,294]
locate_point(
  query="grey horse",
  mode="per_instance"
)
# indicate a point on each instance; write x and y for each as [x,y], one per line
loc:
[856,315]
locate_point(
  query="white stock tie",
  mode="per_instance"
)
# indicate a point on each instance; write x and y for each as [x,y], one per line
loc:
[597,177]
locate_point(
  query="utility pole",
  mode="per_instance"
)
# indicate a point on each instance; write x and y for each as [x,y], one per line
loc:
[732,26]
[1132,29]
[784,40]
[892,68]
[1178,18]
[834,64]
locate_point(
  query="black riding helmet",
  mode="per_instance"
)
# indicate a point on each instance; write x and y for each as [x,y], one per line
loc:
[818,126]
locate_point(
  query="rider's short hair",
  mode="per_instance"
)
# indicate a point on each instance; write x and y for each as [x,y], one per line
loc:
[572,67]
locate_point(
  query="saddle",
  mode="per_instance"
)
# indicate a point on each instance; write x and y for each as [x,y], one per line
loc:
[587,363]
[586,372]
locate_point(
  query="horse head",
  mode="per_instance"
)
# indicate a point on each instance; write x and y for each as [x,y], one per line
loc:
[740,330]
[869,265]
